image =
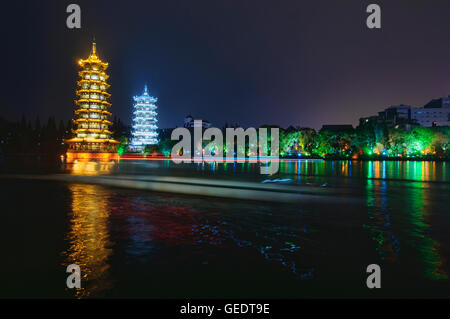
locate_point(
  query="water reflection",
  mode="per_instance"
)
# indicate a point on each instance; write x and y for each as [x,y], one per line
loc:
[421,239]
[166,231]
[379,224]
[148,226]
[90,168]
[405,213]
[89,239]
[295,169]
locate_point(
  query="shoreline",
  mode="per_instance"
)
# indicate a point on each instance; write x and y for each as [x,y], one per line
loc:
[35,157]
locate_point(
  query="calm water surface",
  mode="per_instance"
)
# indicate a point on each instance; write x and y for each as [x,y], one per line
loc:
[133,243]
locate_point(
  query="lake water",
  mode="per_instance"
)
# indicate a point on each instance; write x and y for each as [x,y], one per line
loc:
[135,243]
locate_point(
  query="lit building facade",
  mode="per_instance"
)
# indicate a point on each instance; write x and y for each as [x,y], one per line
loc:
[91,124]
[144,121]
[434,113]
[189,122]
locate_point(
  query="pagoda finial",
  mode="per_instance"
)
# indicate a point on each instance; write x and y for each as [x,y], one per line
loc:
[94,48]
[145,89]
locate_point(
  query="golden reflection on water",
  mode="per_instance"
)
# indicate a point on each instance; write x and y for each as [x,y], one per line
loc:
[89,239]
[90,168]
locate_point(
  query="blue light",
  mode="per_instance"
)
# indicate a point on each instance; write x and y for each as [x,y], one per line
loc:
[144,121]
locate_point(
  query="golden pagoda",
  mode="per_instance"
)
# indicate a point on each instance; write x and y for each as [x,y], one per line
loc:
[91,122]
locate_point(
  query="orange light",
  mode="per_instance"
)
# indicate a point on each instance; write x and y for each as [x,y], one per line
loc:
[73,157]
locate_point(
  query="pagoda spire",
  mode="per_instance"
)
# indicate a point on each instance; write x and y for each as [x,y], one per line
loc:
[145,89]
[94,49]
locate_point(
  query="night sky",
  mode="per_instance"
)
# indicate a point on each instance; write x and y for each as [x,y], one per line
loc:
[304,63]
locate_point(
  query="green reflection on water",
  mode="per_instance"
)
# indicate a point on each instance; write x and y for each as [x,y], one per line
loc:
[379,220]
[427,247]
[402,170]
[410,202]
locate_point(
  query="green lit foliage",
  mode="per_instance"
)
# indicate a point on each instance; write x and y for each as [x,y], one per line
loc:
[165,146]
[123,146]
[334,144]
[309,140]
[298,142]
[397,139]
[368,140]
[290,143]
[324,144]
[441,142]
[419,140]
[266,144]
[365,138]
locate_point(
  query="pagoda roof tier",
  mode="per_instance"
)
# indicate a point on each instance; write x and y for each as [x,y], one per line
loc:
[92,120]
[92,130]
[145,97]
[78,111]
[93,59]
[144,100]
[101,66]
[153,113]
[93,91]
[93,101]
[99,82]
[92,111]
[88,110]
[99,72]
[91,140]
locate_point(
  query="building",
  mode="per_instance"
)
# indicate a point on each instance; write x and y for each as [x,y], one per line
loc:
[434,113]
[396,114]
[189,122]
[393,116]
[144,128]
[91,121]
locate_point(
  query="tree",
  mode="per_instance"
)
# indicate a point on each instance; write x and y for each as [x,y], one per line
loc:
[165,146]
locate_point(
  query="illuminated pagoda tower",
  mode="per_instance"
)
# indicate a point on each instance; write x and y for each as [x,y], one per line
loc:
[91,122]
[144,121]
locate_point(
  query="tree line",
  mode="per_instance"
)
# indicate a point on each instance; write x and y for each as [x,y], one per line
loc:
[34,138]
[366,141]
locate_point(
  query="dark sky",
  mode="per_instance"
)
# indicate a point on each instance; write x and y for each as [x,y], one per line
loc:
[252,62]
